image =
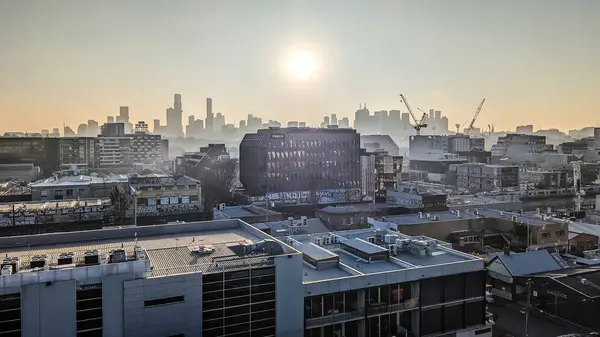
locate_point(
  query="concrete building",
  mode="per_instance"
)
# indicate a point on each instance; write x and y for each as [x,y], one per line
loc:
[164,280]
[475,177]
[221,278]
[380,283]
[518,147]
[379,172]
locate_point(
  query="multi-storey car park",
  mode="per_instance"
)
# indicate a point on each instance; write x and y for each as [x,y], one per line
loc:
[227,278]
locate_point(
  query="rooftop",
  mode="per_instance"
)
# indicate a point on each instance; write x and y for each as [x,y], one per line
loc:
[172,248]
[532,262]
[285,228]
[52,205]
[246,211]
[421,217]
[139,180]
[370,252]
[585,281]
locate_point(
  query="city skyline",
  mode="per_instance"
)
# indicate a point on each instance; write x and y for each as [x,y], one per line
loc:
[541,74]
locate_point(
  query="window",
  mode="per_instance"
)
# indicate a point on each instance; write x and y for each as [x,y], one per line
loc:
[164,301]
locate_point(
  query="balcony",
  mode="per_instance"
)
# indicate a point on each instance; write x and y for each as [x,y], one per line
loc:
[334,319]
[382,308]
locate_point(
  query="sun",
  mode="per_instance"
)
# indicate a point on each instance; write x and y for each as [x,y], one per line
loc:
[302,64]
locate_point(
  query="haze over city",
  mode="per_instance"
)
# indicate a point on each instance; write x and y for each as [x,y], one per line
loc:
[534,61]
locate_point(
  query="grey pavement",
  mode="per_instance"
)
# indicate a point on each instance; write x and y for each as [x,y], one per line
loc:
[511,321]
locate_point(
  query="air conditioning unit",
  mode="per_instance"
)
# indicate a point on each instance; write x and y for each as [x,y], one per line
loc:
[65,258]
[335,239]
[371,239]
[304,221]
[319,242]
[326,241]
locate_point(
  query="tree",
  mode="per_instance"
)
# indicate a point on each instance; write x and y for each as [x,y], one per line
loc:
[218,178]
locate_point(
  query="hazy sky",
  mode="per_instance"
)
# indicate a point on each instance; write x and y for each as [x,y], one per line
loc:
[536,61]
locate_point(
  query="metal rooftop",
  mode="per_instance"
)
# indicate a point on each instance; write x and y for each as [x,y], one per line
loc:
[173,248]
[370,252]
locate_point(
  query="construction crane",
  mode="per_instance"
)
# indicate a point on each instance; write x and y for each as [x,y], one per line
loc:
[470,128]
[418,124]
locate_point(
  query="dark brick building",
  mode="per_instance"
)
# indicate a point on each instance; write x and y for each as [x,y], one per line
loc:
[299,159]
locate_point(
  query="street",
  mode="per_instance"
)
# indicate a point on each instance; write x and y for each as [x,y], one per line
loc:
[511,321]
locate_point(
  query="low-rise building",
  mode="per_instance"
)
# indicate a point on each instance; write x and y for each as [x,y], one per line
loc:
[523,232]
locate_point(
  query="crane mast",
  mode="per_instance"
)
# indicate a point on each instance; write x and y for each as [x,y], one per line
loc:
[418,124]
[475,116]
[579,192]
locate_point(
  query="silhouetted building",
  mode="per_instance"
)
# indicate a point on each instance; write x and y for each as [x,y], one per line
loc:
[113,130]
[299,159]
[209,115]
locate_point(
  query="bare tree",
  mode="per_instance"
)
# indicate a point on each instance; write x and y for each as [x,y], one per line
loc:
[218,179]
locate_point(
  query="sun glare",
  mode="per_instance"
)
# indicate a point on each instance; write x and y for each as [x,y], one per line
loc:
[302,64]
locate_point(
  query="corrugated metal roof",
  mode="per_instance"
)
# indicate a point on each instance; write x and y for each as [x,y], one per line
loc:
[521,264]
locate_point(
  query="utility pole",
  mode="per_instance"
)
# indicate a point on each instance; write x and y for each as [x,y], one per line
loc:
[528,307]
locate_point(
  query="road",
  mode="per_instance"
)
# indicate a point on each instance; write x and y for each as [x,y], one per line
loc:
[511,321]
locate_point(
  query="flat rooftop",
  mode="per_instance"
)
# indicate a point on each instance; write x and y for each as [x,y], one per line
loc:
[51,205]
[246,211]
[424,217]
[282,228]
[323,246]
[169,248]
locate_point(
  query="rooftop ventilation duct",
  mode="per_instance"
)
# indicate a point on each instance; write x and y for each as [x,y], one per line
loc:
[266,246]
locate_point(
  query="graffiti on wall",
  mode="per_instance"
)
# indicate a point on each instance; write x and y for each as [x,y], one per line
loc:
[305,197]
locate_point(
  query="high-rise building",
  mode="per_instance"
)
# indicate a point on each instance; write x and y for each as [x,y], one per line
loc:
[82,130]
[300,159]
[175,118]
[93,128]
[110,119]
[209,116]
[218,123]
[334,120]
[124,118]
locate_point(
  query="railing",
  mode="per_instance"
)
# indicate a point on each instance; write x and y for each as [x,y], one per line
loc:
[389,308]
[215,267]
[335,318]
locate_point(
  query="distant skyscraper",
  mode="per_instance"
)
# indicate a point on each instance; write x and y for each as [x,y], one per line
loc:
[209,115]
[93,128]
[123,117]
[82,130]
[177,104]
[175,118]
[156,127]
[334,120]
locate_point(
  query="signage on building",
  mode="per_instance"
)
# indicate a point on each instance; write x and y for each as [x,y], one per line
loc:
[556,293]
[278,136]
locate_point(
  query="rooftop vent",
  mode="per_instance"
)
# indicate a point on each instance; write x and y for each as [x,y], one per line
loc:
[91,257]
[117,256]
[38,261]
[13,263]
[66,258]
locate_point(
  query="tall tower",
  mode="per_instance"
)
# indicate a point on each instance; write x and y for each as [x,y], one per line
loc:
[175,118]
[177,103]
[209,115]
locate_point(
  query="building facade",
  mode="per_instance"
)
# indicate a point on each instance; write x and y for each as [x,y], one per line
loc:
[300,159]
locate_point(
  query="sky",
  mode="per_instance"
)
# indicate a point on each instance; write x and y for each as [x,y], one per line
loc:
[535,61]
